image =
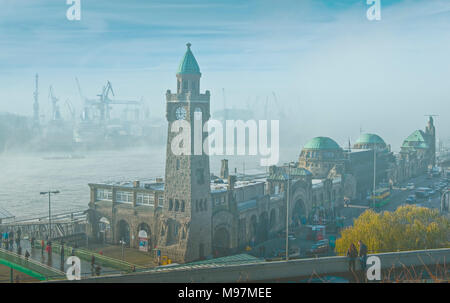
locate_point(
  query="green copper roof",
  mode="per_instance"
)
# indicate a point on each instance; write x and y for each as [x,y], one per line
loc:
[370,139]
[322,143]
[416,140]
[188,65]
[282,173]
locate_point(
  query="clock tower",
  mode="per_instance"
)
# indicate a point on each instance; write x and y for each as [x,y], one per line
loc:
[185,230]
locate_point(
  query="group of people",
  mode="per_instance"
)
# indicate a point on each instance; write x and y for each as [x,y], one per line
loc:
[353,253]
[8,238]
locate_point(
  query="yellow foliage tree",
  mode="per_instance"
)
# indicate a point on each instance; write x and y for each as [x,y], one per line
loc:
[408,228]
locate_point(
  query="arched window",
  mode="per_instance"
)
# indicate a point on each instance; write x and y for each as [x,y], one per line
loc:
[177,205]
[170,204]
[182,205]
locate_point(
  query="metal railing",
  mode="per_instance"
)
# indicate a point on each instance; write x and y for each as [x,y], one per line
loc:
[29,266]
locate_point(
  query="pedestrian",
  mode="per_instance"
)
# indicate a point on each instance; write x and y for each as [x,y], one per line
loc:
[93,265]
[97,270]
[6,237]
[48,249]
[352,253]
[32,241]
[27,255]
[73,251]
[11,239]
[362,254]
[62,253]
[42,247]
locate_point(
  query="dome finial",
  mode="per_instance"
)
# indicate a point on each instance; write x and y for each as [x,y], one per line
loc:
[188,45]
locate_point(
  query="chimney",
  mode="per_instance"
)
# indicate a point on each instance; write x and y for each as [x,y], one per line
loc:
[231,181]
[159,180]
[136,184]
[224,173]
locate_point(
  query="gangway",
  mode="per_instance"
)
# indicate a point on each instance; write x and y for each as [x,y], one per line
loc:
[29,266]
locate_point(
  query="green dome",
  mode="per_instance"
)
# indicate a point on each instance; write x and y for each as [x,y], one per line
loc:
[370,139]
[188,65]
[322,143]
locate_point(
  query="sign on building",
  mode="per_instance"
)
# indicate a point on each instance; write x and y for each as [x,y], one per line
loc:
[143,240]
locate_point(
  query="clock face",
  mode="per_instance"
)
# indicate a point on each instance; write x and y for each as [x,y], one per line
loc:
[180,113]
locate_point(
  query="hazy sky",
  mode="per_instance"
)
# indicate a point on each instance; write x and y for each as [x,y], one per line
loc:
[333,71]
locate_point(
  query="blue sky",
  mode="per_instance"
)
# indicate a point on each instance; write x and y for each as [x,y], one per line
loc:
[332,69]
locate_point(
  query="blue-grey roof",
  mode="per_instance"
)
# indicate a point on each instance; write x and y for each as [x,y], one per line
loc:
[246,205]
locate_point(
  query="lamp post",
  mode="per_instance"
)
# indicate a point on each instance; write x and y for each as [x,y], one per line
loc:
[374,175]
[287,211]
[49,193]
[443,206]
[123,245]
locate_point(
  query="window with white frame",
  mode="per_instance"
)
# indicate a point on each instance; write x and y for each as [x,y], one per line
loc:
[145,199]
[104,194]
[124,197]
[161,201]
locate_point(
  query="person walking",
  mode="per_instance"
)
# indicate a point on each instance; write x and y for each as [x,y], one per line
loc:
[11,239]
[27,255]
[362,254]
[352,253]
[6,237]
[62,253]
[42,247]
[32,241]
[93,265]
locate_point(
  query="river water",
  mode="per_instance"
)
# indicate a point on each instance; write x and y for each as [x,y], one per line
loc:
[23,176]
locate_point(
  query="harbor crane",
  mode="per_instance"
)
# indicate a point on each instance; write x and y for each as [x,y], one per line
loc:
[103,102]
[56,115]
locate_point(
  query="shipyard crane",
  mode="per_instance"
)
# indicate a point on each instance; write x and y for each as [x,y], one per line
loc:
[56,115]
[106,101]
[103,102]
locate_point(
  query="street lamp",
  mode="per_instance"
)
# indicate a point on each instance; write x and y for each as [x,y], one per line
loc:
[444,194]
[123,245]
[49,193]
[287,211]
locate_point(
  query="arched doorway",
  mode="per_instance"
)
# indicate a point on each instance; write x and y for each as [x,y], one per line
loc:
[221,242]
[104,228]
[124,232]
[298,215]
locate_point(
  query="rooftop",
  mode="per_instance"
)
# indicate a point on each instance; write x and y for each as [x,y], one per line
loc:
[322,143]
[188,64]
[370,139]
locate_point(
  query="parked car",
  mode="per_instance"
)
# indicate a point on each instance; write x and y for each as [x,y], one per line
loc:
[410,186]
[411,199]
